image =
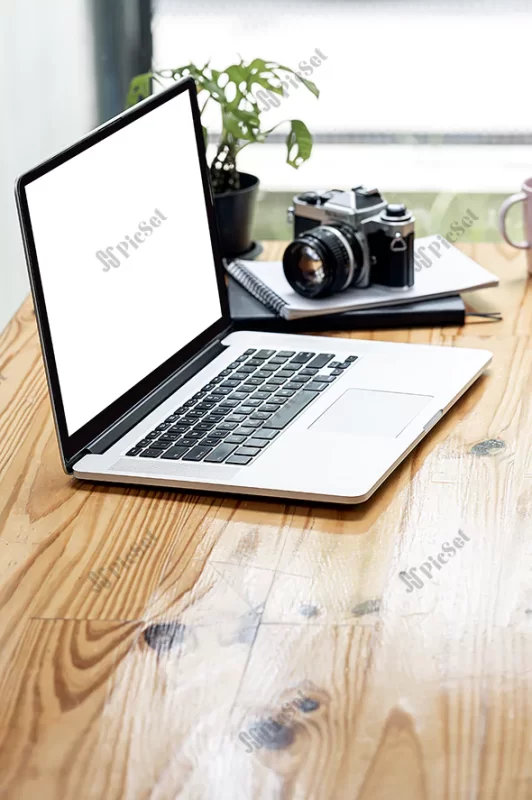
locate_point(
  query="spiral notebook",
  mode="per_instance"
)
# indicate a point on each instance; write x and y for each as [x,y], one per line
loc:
[450,273]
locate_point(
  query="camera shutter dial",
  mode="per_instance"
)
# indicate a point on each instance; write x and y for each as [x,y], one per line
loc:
[396,211]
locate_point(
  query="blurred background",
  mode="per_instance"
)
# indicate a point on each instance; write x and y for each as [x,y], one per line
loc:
[423,98]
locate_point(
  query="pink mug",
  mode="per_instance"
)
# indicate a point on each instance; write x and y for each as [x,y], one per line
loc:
[524,196]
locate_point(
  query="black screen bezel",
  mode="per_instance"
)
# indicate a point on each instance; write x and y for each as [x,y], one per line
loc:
[72,446]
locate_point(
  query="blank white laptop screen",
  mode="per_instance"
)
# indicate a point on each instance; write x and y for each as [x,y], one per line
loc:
[125,256]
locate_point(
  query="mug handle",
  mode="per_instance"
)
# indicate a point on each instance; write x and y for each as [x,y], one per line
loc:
[506,206]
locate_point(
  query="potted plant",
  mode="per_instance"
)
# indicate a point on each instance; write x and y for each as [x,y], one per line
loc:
[241,125]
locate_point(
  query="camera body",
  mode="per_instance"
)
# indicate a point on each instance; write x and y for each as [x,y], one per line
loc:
[381,235]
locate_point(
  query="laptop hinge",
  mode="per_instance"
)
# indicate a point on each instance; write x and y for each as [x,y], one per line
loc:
[158,396]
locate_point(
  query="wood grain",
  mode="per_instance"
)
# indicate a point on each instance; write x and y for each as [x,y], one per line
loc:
[140,688]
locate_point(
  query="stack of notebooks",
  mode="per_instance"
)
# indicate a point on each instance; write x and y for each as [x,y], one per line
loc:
[260,298]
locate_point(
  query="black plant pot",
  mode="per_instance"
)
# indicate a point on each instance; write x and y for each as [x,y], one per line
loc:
[234,215]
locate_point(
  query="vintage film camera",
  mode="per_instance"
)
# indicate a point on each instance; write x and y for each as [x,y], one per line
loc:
[348,239]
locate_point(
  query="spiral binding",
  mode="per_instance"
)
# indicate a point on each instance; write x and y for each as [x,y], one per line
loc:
[255,287]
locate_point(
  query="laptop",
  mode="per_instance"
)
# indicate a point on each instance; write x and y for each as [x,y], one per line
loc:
[150,383]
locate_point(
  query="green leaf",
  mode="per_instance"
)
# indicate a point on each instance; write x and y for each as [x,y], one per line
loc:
[139,89]
[266,84]
[309,84]
[298,143]
[237,74]
[260,65]
[238,128]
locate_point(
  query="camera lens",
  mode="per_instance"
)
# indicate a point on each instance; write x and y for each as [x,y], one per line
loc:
[324,260]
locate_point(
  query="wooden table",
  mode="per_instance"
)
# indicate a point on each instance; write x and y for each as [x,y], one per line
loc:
[236,610]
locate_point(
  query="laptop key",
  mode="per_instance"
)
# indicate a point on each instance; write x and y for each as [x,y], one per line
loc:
[321,360]
[287,374]
[134,451]
[264,434]
[257,443]
[285,393]
[229,384]
[175,453]
[197,453]
[260,415]
[236,418]
[241,460]
[316,387]
[265,354]
[291,409]
[226,406]
[220,453]
[245,431]
[159,445]
[247,451]
[187,441]
[302,358]
[269,407]
[323,379]
[151,453]
[286,353]
[250,352]
[309,371]
[261,395]
[204,426]
[227,426]
[235,439]
[212,441]
[350,359]
[195,434]
[337,372]
[168,437]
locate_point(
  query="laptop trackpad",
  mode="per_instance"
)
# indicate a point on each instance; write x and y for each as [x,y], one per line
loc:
[367,412]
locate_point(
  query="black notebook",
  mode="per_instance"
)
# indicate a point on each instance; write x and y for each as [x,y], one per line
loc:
[451,274]
[249,313]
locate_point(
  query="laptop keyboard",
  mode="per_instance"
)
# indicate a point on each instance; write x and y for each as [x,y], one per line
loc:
[234,417]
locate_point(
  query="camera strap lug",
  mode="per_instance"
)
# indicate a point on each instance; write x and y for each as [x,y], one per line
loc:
[398,244]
